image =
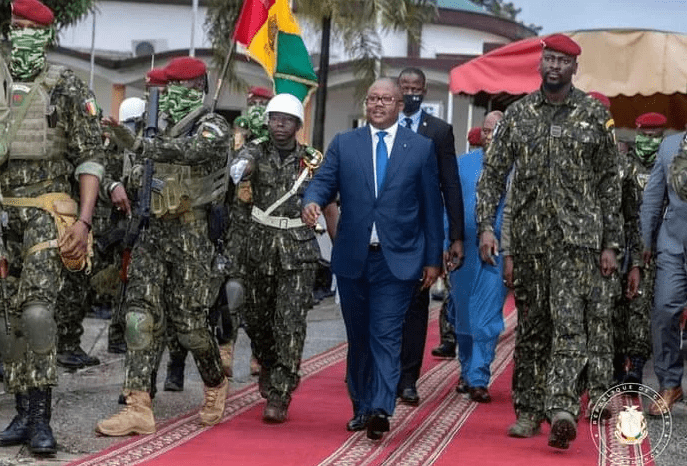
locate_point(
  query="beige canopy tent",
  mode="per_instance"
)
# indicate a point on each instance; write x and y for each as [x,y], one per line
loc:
[639,70]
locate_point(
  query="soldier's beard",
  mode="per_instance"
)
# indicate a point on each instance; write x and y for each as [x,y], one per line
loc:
[554,87]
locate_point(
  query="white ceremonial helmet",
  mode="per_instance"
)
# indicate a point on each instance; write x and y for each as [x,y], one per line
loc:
[131,107]
[286,103]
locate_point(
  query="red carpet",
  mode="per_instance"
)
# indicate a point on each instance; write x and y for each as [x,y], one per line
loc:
[446,429]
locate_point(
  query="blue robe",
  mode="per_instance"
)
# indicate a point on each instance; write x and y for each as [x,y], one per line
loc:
[477,289]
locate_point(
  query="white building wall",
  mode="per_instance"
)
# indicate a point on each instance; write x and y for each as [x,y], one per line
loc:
[120,23]
[438,39]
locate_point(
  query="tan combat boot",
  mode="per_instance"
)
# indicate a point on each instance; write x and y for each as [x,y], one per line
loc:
[226,354]
[213,405]
[526,426]
[135,418]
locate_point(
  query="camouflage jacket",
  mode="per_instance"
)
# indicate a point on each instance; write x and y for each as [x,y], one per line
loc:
[566,174]
[270,179]
[678,171]
[634,176]
[72,100]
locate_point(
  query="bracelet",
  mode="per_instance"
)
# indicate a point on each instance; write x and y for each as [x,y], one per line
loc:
[88,225]
[112,187]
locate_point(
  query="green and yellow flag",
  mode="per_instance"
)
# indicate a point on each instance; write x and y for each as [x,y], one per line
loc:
[271,34]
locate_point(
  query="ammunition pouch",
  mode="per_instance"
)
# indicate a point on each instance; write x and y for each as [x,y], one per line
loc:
[64,211]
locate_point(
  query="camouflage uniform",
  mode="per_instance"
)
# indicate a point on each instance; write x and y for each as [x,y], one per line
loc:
[565,209]
[30,362]
[678,171]
[78,293]
[632,318]
[277,266]
[170,277]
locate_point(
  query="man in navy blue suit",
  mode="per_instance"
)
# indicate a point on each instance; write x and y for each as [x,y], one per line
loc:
[389,236]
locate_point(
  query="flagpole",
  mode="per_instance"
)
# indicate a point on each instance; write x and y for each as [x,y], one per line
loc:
[220,78]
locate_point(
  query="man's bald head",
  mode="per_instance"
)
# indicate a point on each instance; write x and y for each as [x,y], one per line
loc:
[489,124]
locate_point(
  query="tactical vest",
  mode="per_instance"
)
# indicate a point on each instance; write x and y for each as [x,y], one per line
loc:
[38,136]
[177,189]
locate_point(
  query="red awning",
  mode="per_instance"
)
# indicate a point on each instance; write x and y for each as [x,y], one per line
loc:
[639,70]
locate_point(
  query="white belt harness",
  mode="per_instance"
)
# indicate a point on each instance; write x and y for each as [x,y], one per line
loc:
[263,217]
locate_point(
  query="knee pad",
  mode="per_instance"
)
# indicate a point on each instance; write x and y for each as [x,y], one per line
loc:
[195,340]
[139,330]
[39,327]
[235,293]
[12,345]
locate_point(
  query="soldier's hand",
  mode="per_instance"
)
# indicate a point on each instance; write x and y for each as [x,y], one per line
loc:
[310,214]
[508,271]
[455,255]
[488,247]
[646,256]
[120,200]
[608,262]
[74,243]
[430,275]
[633,279]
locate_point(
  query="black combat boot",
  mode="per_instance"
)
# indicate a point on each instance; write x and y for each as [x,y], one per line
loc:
[18,430]
[41,440]
[175,374]
[635,370]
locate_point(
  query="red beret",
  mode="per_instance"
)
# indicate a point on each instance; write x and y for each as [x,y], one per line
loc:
[562,43]
[601,98]
[33,10]
[156,77]
[475,136]
[651,120]
[184,69]
[260,92]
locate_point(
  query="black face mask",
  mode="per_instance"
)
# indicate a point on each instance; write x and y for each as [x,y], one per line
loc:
[411,103]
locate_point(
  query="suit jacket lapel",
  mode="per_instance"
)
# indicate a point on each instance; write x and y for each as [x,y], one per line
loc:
[398,153]
[364,154]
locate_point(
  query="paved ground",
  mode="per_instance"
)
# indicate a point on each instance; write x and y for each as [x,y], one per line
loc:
[86,396]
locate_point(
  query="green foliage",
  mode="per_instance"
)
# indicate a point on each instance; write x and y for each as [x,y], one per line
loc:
[504,10]
[219,24]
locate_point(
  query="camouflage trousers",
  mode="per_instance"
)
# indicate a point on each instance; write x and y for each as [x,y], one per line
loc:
[559,298]
[38,281]
[447,331]
[632,319]
[275,319]
[170,283]
[74,301]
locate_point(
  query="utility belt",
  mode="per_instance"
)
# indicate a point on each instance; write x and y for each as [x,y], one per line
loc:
[64,211]
[283,223]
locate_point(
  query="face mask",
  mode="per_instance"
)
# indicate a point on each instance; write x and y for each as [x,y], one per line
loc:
[27,57]
[646,147]
[180,101]
[411,103]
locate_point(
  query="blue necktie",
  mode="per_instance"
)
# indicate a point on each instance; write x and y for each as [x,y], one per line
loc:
[382,157]
[409,123]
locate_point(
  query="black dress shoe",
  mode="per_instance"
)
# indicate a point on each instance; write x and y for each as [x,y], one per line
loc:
[377,425]
[479,394]
[445,350]
[409,396]
[462,386]
[357,423]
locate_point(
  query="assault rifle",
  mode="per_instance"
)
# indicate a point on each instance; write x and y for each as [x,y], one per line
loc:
[137,224]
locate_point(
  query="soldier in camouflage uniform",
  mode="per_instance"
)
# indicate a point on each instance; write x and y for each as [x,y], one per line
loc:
[678,172]
[78,293]
[565,234]
[273,253]
[35,180]
[632,316]
[170,281]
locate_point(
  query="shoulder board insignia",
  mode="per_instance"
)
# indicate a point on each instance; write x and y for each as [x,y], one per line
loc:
[260,140]
[91,107]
